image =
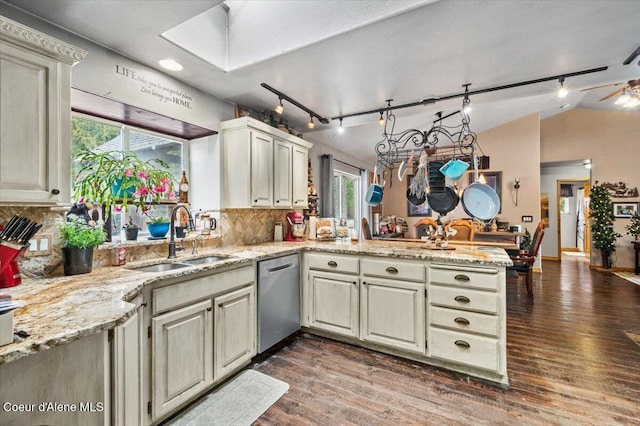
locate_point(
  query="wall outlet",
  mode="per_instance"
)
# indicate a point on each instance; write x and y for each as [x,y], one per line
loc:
[40,245]
[527,218]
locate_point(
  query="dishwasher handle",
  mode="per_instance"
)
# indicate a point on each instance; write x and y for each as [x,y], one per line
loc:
[281,267]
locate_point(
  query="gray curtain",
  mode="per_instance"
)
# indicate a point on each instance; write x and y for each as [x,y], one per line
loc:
[326,190]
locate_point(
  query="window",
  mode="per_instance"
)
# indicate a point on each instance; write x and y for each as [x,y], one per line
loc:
[346,196]
[96,134]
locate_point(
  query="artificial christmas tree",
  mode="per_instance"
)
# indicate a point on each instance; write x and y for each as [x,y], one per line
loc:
[633,228]
[601,214]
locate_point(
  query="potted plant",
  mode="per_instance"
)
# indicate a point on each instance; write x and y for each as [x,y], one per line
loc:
[131,230]
[158,226]
[525,242]
[633,228]
[121,178]
[80,238]
[601,213]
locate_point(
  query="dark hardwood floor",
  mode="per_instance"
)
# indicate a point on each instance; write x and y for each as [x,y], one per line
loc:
[568,358]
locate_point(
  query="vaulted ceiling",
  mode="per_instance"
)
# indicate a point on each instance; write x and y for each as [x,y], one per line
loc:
[340,57]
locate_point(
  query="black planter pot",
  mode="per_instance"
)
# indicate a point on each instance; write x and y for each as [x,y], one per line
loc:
[606,260]
[77,261]
[132,233]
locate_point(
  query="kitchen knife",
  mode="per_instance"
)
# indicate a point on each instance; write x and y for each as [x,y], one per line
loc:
[31,234]
[10,229]
[12,221]
[22,224]
[26,231]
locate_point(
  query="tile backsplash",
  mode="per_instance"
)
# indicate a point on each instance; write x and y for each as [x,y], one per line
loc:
[236,226]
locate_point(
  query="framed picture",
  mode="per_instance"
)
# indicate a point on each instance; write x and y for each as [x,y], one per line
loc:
[412,209]
[624,209]
[544,208]
[494,180]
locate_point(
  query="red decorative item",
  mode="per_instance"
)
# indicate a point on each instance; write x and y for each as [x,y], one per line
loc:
[295,227]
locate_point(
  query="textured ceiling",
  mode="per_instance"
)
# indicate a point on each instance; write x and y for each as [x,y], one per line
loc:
[339,57]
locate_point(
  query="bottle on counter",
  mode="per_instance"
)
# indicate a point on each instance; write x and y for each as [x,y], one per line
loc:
[184,188]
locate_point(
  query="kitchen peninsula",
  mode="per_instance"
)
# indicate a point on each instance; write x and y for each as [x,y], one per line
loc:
[445,308]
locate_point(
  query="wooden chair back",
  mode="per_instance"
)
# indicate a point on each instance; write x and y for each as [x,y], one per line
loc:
[536,241]
[464,230]
[366,230]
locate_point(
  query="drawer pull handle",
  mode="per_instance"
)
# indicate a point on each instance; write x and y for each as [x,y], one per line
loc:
[462,277]
[462,321]
[391,270]
[462,344]
[332,263]
[462,299]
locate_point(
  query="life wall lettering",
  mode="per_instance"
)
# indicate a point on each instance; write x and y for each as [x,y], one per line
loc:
[158,91]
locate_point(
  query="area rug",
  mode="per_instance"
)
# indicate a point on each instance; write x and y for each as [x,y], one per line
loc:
[629,276]
[633,335]
[241,401]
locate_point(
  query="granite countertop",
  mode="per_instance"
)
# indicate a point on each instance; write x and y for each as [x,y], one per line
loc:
[59,309]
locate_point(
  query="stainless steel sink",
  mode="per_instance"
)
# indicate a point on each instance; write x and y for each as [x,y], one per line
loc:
[161,267]
[203,260]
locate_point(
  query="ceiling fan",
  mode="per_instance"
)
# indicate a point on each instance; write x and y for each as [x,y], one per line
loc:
[630,93]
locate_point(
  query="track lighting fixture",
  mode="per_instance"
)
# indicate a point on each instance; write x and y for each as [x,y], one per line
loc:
[380,121]
[279,109]
[311,123]
[341,129]
[562,91]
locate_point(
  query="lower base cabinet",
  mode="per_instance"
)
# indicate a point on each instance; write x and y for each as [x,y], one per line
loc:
[182,355]
[234,331]
[334,302]
[393,313]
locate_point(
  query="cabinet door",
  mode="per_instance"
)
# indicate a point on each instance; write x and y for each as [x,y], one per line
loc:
[261,170]
[334,303]
[127,355]
[393,314]
[282,177]
[182,360]
[34,118]
[300,178]
[234,331]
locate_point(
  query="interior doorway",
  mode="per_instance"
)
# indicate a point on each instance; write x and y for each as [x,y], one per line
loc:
[572,201]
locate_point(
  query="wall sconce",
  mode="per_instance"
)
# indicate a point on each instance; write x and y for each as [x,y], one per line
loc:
[516,186]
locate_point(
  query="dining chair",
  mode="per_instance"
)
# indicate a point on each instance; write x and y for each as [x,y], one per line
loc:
[366,230]
[464,230]
[523,263]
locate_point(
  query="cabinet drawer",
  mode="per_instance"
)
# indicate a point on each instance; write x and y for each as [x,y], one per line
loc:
[482,278]
[482,352]
[462,298]
[394,269]
[180,294]
[464,321]
[333,262]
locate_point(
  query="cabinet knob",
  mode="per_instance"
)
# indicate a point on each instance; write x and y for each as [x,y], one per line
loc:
[332,263]
[462,321]
[462,277]
[391,270]
[255,201]
[462,299]
[462,344]
[144,304]
[209,309]
[55,191]
[364,283]
[220,305]
[356,282]
[277,201]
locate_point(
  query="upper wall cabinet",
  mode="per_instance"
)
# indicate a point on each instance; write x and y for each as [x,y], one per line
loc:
[35,115]
[263,167]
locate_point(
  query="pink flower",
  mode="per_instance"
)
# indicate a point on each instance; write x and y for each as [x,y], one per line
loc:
[143,174]
[81,200]
[128,173]
[142,191]
[117,208]
[171,194]
[158,189]
[95,184]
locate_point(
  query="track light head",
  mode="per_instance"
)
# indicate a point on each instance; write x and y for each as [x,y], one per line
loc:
[311,123]
[279,109]
[381,120]
[340,128]
[562,91]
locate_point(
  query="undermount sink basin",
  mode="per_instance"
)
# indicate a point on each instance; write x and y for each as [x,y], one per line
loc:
[161,267]
[202,260]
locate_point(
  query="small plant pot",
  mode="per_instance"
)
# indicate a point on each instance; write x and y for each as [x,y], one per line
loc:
[158,230]
[131,233]
[77,261]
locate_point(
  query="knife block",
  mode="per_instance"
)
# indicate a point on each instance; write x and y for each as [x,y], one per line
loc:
[9,270]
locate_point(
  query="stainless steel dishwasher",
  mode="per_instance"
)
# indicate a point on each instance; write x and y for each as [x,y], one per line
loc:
[278,299]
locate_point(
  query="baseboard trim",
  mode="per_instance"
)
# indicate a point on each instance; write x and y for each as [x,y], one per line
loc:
[550,258]
[612,269]
[539,270]
[570,249]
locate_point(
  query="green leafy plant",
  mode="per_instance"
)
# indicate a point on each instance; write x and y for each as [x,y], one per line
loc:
[76,233]
[116,178]
[158,219]
[525,241]
[633,228]
[601,213]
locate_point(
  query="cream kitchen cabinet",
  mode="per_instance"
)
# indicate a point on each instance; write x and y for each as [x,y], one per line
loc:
[262,167]
[392,303]
[127,368]
[234,331]
[334,303]
[35,115]
[182,355]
